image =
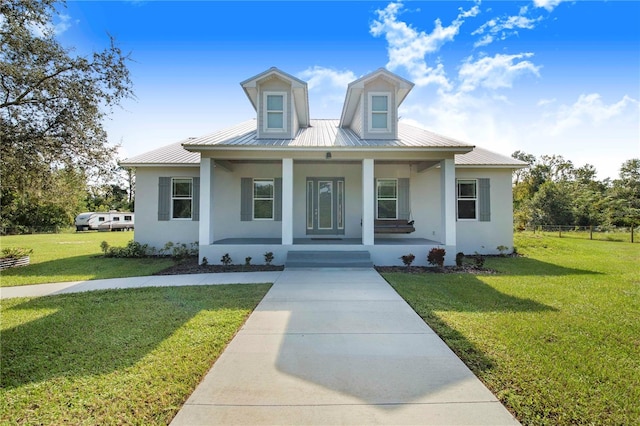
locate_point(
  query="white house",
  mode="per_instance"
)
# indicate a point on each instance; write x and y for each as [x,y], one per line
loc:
[285,183]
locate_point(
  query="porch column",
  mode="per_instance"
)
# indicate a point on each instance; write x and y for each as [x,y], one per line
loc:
[205,227]
[448,201]
[368,201]
[287,201]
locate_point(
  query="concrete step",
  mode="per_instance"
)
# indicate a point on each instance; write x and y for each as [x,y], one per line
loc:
[328,259]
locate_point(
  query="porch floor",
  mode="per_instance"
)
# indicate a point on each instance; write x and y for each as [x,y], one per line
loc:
[402,241]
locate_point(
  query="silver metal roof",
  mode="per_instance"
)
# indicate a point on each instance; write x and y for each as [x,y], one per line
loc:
[323,134]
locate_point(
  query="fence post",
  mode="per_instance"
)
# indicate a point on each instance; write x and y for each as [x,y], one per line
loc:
[559,231]
[591,232]
[632,233]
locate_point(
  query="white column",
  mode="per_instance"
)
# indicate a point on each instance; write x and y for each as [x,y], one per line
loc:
[287,201]
[205,231]
[368,191]
[448,201]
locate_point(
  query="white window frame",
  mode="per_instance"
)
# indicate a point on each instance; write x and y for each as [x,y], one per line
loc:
[467,198]
[371,112]
[181,197]
[267,111]
[386,199]
[272,198]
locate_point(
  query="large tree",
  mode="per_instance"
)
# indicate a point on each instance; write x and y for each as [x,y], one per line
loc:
[52,104]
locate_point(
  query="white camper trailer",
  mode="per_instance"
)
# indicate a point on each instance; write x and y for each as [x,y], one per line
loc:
[108,221]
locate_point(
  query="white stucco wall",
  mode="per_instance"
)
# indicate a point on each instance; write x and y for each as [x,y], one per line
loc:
[485,237]
[149,230]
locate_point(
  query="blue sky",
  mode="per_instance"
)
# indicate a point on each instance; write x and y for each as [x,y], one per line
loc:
[542,76]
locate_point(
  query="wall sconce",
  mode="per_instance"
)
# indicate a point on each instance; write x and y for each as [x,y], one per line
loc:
[328,156]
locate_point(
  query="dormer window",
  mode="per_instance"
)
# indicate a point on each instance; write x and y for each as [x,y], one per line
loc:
[275,111]
[379,112]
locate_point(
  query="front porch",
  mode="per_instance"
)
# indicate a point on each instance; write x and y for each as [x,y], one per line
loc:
[384,251]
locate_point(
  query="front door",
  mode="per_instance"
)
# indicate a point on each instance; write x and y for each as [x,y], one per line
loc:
[325,206]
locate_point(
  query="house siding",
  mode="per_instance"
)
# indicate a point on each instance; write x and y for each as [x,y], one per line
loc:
[356,123]
[150,230]
[485,236]
[379,85]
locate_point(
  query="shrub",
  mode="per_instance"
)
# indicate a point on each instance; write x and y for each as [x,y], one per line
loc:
[478,260]
[15,252]
[502,249]
[133,249]
[247,260]
[268,257]
[205,261]
[226,259]
[105,247]
[408,259]
[459,258]
[436,257]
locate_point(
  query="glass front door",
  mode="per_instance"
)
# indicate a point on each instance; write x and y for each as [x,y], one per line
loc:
[325,206]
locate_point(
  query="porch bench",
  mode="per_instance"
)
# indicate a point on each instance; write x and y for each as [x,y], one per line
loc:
[393,226]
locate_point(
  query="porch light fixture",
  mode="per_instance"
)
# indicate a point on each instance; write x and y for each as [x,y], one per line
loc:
[328,156]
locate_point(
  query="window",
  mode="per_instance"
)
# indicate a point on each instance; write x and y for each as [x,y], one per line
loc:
[181,198]
[100,218]
[116,218]
[467,199]
[379,114]
[263,191]
[275,111]
[127,218]
[387,199]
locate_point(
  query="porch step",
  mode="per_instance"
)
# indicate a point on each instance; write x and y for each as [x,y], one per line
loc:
[328,259]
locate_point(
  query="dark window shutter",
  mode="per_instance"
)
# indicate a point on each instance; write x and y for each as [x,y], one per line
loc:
[246,199]
[277,199]
[195,211]
[164,198]
[404,205]
[484,199]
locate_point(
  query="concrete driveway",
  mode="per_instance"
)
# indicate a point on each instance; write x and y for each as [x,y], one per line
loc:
[339,346]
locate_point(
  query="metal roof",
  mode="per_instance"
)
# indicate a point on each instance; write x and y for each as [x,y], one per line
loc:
[323,134]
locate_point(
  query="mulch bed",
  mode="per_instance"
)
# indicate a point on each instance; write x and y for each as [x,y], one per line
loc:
[190,266]
[464,269]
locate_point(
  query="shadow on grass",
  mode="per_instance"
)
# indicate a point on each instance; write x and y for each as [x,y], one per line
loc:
[95,265]
[525,266]
[429,294]
[103,331]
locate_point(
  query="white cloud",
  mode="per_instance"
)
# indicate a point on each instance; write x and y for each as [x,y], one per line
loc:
[589,110]
[55,29]
[501,28]
[495,72]
[549,5]
[407,46]
[327,88]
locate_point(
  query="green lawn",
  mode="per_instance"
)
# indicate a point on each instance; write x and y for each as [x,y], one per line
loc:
[114,357]
[72,257]
[555,334]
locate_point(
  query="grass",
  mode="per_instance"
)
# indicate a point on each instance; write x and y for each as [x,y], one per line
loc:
[73,257]
[555,334]
[114,357]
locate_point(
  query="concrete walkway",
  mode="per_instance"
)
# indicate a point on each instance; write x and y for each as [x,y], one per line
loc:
[338,346]
[134,282]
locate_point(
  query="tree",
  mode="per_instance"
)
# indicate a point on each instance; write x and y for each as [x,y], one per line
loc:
[52,104]
[623,198]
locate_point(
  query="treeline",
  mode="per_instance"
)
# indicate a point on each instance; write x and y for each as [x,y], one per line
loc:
[553,191]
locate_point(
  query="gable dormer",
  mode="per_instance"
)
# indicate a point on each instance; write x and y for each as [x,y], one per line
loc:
[371,105]
[281,102]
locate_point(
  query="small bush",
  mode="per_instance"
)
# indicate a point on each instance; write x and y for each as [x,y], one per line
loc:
[104,246]
[459,258]
[15,252]
[478,260]
[205,261]
[502,249]
[268,257]
[247,260]
[133,249]
[436,257]
[408,259]
[226,259]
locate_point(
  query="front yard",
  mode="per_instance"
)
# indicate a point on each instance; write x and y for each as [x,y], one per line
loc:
[114,357]
[555,334]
